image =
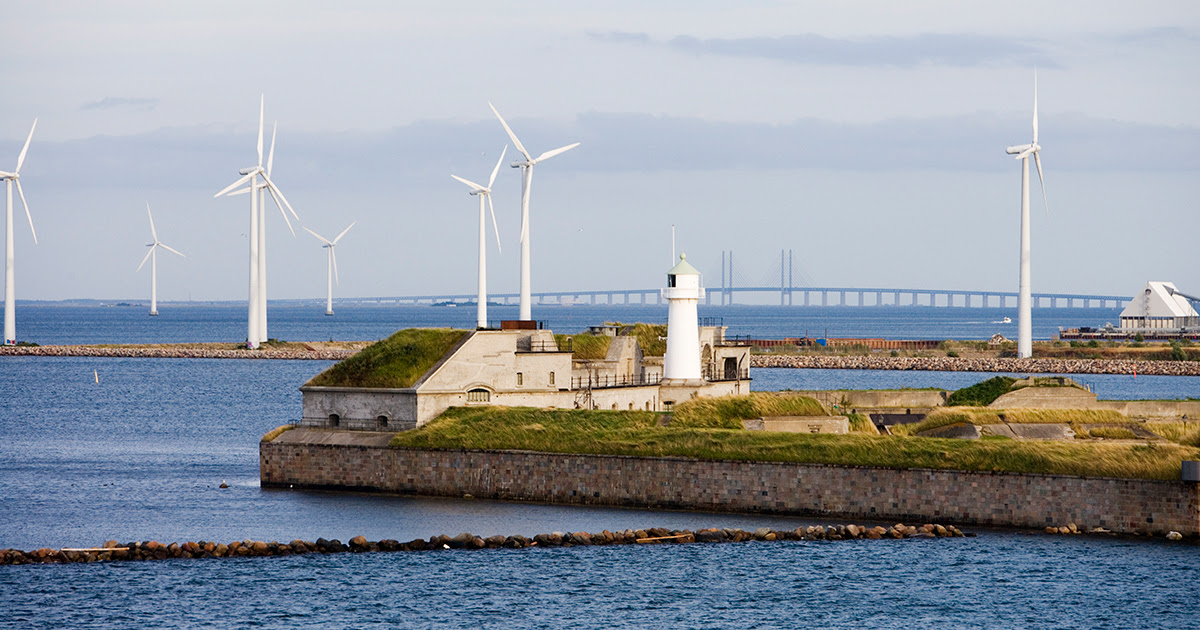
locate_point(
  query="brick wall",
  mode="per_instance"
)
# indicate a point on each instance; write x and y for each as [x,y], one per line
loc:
[1001,499]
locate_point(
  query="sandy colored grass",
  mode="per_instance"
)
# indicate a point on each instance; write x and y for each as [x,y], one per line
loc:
[728,412]
[277,431]
[639,433]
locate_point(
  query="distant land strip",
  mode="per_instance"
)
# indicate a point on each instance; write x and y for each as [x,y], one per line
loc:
[963,364]
[188,351]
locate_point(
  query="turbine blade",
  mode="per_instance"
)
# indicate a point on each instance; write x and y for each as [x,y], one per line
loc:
[468,182]
[21,192]
[170,249]
[512,136]
[148,254]
[21,158]
[322,238]
[333,257]
[492,179]
[243,180]
[153,232]
[1035,121]
[553,152]
[240,191]
[272,185]
[1037,159]
[271,154]
[261,103]
[281,212]
[494,226]
[339,236]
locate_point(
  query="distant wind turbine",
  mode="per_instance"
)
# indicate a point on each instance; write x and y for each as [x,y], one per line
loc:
[254,328]
[263,189]
[10,313]
[1024,296]
[526,183]
[152,256]
[481,192]
[331,266]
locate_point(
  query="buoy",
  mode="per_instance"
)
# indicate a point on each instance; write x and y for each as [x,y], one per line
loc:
[96,373]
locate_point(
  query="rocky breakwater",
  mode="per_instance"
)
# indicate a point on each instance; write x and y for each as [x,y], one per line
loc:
[113,551]
[962,364]
[177,352]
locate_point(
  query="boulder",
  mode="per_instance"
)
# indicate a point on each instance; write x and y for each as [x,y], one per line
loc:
[1173,535]
[359,543]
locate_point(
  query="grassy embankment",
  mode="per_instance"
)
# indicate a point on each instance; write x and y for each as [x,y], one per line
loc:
[395,362]
[711,430]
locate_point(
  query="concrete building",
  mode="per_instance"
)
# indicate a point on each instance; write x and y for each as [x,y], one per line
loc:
[526,368]
[1157,307]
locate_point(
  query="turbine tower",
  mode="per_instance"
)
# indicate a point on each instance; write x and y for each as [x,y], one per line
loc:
[1024,296]
[254,328]
[152,256]
[481,192]
[331,266]
[10,313]
[263,189]
[526,183]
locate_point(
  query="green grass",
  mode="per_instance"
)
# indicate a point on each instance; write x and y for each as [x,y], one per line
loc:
[981,416]
[395,362]
[585,347]
[729,411]
[981,394]
[638,433]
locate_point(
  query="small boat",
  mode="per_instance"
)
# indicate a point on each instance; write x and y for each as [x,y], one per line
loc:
[1006,320]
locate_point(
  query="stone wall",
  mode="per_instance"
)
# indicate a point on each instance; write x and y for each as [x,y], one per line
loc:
[1000,499]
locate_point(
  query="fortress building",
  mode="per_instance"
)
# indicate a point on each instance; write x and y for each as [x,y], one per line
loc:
[609,367]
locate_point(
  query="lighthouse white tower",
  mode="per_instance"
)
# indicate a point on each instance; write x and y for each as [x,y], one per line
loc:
[683,293]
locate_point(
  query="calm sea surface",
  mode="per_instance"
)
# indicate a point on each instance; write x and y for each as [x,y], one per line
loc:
[141,454]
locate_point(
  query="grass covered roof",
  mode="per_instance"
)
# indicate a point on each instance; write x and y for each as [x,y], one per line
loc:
[396,362]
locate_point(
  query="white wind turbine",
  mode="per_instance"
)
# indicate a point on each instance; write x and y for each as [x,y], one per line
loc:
[152,256]
[481,192]
[254,329]
[263,189]
[331,265]
[526,183]
[10,314]
[1024,296]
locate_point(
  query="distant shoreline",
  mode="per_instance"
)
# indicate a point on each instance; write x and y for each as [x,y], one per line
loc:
[336,351]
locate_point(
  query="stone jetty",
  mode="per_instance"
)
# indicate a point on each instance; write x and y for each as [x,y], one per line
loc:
[184,351]
[962,364]
[113,551]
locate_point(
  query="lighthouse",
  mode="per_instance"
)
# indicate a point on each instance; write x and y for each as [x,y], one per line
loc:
[683,293]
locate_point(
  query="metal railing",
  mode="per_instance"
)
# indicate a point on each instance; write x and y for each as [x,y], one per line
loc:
[716,373]
[601,381]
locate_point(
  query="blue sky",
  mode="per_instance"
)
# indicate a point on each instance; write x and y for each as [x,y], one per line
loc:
[868,137]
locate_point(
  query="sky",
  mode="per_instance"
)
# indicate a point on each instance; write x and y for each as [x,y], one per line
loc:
[867,137]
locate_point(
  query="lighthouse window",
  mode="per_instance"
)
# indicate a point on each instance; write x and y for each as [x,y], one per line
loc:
[671,280]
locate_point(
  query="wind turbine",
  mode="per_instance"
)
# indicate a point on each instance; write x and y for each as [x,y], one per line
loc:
[263,189]
[481,192]
[1024,296]
[254,328]
[152,256]
[10,314]
[331,270]
[526,183]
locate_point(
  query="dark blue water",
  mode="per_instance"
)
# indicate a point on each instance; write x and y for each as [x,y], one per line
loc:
[97,324]
[141,454]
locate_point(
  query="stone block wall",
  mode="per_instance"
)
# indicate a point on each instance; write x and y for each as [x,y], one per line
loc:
[913,495]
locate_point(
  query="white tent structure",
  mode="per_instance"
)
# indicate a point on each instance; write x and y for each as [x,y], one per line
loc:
[1159,305]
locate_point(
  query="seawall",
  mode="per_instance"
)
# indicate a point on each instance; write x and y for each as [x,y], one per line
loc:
[963,364]
[298,458]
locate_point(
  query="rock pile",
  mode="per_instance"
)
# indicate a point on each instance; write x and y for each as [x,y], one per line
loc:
[961,364]
[154,550]
[168,352]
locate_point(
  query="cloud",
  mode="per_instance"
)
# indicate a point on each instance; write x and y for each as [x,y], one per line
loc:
[957,50]
[117,102]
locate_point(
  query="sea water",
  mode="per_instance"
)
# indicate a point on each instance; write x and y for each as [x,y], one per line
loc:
[141,455]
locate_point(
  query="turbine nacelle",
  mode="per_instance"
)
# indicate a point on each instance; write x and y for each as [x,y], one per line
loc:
[250,170]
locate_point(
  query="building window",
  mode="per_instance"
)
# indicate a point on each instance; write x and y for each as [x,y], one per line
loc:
[382,421]
[520,379]
[334,420]
[552,378]
[479,395]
